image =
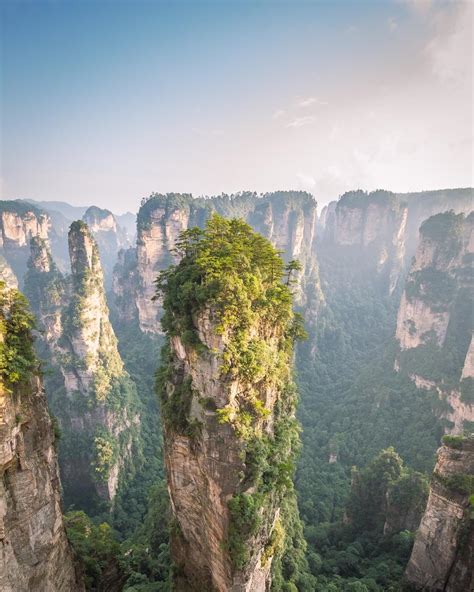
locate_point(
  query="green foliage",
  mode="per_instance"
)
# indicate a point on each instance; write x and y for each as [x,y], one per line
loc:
[445,228]
[436,288]
[147,551]
[104,455]
[460,483]
[455,442]
[236,275]
[361,199]
[245,511]
[353,405]
[96,546]
[17,357]
[239,282]
[19,207]
[366,506]
[467,390]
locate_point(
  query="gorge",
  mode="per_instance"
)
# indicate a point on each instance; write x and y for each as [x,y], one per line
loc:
[385,372]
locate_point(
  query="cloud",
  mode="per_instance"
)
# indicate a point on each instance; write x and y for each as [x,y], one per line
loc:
[418,6]
[278,114]
[450,48]
[302,121]
[307,102]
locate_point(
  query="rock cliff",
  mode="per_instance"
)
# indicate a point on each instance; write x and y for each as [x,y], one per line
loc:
[110,237]
[6,274]
[443,554]
[424,204]
[89,390]
[227,404]
[34,551]
[386,224]
[435,324]
[287,219]
[369,227]
[19,221]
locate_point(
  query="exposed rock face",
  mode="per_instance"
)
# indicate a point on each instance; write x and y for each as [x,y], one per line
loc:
[6,274]
[215,418]
[370,227]
[90,392]
[19,221]
[110,237]
[443,554]
[424,204]
[34,551]
[327,219]
[124,286]
[287,219]
[385,225]
[434,324]
[203,474]
[158,229]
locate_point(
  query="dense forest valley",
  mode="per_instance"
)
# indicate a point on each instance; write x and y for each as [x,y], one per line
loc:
[298,383]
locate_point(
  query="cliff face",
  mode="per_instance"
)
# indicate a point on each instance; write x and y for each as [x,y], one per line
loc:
[228,411]
[6,274]
[443,553]
[386,497]
[287,219]
[434,323]
[35,553]
[19,222]
[371,229]
[90,392]
[424,204]
[110,237]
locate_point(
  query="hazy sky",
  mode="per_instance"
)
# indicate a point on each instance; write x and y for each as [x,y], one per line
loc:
[106,102]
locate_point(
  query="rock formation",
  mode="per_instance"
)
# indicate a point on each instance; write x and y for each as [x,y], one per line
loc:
[435,324]
[369,227]
[424,204]
[109,236]
[7,275]
[287,219]
[90,392]
[386,497]
[443,554]
[227,403]
[365,219]
[34,551]
[19,221]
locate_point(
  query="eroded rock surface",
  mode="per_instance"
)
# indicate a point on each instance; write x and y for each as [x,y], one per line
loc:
[443,554]
[34,551]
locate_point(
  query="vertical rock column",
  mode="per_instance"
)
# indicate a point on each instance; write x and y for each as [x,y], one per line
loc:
[443,554]
[34,551]
[90,392]
[227,402]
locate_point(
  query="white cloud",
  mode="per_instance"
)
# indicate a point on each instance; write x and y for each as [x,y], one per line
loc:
[278,114]
[450,48]
[418,6]
[308,101]
[302,121]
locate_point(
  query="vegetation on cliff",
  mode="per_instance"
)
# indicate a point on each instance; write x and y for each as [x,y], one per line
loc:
[236,277]
[17,355]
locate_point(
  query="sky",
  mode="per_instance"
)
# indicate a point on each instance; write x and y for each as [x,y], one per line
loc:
[107,102]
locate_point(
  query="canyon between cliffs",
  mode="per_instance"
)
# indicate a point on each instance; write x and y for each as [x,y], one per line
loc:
[220,481]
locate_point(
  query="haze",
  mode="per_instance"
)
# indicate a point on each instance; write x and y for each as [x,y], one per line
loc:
[105,103]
